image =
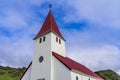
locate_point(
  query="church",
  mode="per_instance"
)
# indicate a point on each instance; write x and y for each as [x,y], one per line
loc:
[50,62]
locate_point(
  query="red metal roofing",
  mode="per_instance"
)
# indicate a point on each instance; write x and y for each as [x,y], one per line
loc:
[48,26]
[73,65]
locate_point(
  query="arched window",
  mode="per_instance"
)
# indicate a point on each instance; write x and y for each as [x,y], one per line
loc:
[76,77]
[56,39]
[59,41]
[40,40]
[43,38]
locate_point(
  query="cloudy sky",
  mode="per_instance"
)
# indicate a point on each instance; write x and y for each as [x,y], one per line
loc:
[91,29]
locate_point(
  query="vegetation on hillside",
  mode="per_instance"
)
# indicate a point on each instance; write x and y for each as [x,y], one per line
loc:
[8,73]
[108,75]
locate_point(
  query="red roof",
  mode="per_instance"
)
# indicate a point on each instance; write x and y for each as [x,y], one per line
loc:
[73,65]
[49,26]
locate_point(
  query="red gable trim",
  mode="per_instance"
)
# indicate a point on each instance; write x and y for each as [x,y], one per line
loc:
[26,70]
[73,65]
[49,26]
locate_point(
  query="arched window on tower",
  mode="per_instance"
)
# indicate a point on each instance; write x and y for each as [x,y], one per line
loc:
[59,41]
[43,38]
[56,39]
[40,40]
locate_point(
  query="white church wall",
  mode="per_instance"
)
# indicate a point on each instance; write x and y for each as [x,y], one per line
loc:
[81,76]
[42,70]
[27,74]
[56,46]
[74,75]
[87,77]
[60,71]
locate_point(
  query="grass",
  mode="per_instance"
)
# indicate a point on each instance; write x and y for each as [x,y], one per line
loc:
[7,73]
[108,75]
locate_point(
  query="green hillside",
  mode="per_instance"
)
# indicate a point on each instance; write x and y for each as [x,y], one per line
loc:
[7,73]
[108,75]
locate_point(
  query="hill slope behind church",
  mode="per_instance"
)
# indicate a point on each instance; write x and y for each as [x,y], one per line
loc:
[108,75]
[8,73]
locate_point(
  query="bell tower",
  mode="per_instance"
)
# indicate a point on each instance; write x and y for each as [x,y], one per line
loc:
[48,40]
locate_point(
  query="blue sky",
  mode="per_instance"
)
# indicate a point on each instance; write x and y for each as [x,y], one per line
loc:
[91,29]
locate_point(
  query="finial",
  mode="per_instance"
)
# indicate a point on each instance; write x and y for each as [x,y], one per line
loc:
[50,6]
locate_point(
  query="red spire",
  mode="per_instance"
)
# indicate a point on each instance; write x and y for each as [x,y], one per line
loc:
[49,26]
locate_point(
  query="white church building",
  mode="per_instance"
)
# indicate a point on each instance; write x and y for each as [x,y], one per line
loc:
[50,61]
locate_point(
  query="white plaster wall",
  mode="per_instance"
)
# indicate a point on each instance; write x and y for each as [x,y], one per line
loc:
[73,76]
[81,76]
[56,47]
[60,71]
[42,70]
[52,68]
[27,74]
[85,78]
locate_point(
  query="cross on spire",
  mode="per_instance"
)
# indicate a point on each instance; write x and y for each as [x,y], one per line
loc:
[50,6]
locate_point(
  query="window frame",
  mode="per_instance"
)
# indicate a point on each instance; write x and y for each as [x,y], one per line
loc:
[44,38]
[59,41]
[77,78]
[40,40]
[56,39]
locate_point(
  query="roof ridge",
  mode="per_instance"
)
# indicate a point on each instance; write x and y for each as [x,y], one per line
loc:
[73,65]
[49,25]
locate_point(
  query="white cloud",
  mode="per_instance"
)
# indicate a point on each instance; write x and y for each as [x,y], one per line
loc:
[118,71]
[101,12]
[15,51]
[89,47]
[93,50]
[96,57]
[12,20]
[18,19]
